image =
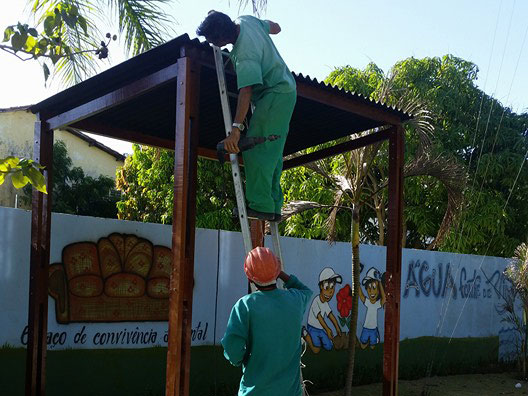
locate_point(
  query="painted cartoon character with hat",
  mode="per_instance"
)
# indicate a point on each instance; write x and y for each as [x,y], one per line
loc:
[374,300]
[317,333]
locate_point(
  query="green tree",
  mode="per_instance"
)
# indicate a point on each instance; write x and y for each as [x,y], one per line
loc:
[436,216]
[356,180]
[66,39]
[517,274]
[75,193]
[489,139]
[22,172]
[146,181]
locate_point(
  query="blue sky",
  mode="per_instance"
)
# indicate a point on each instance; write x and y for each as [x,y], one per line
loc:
[320,35]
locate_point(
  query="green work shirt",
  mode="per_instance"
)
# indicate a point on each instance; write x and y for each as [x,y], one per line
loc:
[257,62]
[264,336]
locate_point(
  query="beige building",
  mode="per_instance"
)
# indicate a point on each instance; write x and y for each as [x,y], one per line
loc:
[16,138]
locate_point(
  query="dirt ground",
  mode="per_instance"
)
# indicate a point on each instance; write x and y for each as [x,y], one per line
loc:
[460,385]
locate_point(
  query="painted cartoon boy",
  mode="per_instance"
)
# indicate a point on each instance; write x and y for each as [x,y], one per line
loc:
[317,333]
[374,300]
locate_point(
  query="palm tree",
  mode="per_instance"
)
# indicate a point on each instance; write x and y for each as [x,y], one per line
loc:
[517,273]
[67,35]
[357,179]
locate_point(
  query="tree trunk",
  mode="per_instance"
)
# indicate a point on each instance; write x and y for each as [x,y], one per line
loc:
[381,225]
[524,344]
[404,234]
[354,237]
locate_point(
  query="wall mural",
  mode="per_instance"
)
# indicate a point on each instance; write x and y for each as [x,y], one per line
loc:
[120,278]
[318,332]
[109,287]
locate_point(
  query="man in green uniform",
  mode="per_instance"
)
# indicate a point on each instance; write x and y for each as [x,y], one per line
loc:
[265,81]
[263,335]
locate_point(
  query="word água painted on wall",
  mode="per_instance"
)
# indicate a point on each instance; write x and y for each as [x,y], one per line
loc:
[444,281]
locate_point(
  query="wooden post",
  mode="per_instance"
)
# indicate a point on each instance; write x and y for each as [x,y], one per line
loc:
[257,232]
[183,229]
[394,257]
[39,263]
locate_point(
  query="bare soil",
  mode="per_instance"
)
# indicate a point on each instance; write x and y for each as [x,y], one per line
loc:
[459,385]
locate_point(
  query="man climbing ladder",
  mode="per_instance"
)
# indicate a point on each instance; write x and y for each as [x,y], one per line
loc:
[265,81]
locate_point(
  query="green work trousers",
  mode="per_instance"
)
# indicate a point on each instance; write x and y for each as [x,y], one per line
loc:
[263,163]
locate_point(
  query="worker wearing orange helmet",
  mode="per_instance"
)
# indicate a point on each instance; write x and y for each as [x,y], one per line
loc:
[263,333]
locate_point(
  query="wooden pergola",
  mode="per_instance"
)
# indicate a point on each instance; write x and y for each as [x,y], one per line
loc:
[168,97]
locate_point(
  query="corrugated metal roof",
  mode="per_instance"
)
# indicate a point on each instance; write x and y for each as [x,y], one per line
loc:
[154,113]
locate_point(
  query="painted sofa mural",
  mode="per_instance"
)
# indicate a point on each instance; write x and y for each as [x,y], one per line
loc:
[120,278]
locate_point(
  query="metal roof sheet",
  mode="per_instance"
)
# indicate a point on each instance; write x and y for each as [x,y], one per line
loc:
[154,114]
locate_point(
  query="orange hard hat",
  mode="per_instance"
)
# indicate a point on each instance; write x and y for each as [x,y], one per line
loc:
[262,266]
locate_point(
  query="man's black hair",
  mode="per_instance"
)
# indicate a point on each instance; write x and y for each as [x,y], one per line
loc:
[217,25]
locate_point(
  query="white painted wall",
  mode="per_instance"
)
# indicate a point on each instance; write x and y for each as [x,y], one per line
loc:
[219,257]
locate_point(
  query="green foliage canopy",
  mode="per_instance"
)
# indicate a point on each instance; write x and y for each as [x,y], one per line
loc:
[147,181]
[75,193]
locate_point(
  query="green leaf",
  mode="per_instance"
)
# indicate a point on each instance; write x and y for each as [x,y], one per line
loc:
[33,32]
[19,180]
[11,161]
[84,25]
[74,11]
[46,71]
[49,25]
[31,42]
[2,178]
[58,20]
[54,56]
[18,41]
[37,179]
[8,32]
[21,28]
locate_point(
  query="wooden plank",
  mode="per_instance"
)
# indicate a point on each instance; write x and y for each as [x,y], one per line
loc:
[391,343]
[94,126]
[337,149]
[350,104]
[39,263]
[114,98]
[183,228]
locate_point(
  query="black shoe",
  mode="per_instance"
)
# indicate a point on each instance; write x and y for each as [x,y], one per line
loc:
[255,214]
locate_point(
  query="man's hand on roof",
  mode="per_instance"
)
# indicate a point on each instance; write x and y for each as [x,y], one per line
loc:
[274,27]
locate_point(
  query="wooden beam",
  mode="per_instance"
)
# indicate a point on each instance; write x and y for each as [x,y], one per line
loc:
[114,98]
[391,343]
[97,127]
[349,104]
[39,264]
[183,229]
[337,149]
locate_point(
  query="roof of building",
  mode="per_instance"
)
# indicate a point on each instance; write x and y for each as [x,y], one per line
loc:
[154,112]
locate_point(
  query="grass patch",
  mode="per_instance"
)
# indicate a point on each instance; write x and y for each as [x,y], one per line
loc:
[141,372]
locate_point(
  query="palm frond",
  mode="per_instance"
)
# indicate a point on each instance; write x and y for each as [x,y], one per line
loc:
[143,22]
[76,68]
[295,207]
[451,174]
[521,254]
[331,220]
[257,5]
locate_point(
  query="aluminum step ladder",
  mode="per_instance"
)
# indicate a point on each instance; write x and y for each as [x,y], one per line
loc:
[239,188]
